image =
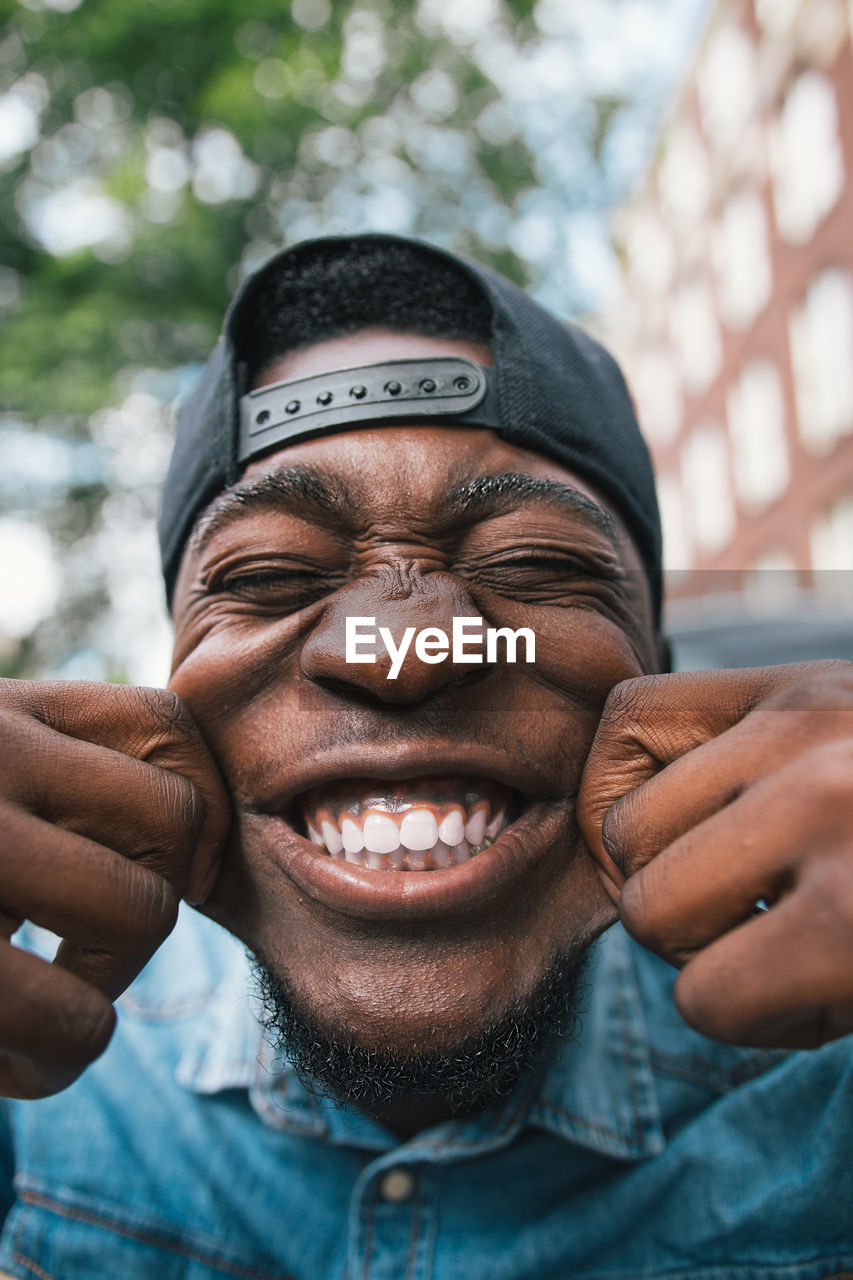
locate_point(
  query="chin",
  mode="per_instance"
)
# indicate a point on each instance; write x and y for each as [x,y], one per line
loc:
[419,934]
[463,1052]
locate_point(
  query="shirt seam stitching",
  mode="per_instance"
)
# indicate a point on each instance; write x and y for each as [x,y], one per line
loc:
[33,1266]
[411,1257]
[168,1244]
[589,1125]
[369,1235]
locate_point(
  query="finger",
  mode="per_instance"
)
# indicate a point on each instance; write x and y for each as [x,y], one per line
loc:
[783,979]
[688,791]
[650,720]
[653,727]
[151,725]
[52,1025]
[111,912]
[647,723]
[143,812]
[708,881]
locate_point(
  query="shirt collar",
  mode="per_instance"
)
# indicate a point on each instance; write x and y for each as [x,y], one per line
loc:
[599,1094]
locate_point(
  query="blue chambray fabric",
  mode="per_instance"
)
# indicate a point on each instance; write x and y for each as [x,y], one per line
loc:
[645,1151]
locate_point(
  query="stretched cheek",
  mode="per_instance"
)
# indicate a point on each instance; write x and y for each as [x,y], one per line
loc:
[586,656]
[580,654]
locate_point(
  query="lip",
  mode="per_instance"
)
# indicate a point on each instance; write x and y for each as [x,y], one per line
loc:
[402,762]
[387,895]
[538,835]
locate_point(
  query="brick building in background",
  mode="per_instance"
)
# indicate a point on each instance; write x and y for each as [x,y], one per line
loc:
[734,315]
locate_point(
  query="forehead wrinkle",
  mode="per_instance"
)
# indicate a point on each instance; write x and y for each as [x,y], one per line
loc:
[295,486]
[493,495]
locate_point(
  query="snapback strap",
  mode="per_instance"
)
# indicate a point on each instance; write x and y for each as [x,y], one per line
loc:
[444,388]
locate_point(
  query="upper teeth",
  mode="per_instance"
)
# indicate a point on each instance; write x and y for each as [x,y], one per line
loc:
[408,834]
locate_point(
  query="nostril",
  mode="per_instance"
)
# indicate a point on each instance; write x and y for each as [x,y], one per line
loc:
[398,693]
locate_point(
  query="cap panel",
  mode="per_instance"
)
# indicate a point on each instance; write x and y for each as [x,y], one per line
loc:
[562,394]
[203,457]
[558,392]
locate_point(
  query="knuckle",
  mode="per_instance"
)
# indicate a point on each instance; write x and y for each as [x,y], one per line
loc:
[615,831]
[169,718]
[152,909]
[176,813]
[825,686]
[640,913]
[188,809]
[713,1006]
[701,1009]
[828,889]
[83,1027]
[28,752]
[830,770]
[629,699]
[17,695]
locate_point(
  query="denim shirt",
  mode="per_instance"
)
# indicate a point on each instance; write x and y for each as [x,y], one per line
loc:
[646,1150]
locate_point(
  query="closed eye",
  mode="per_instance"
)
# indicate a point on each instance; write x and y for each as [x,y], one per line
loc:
[539,572]
[275,585]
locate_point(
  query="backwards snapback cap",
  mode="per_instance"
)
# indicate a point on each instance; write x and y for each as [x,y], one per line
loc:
[553,389]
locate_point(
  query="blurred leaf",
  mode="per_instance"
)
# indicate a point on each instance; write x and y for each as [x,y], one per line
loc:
[182,141]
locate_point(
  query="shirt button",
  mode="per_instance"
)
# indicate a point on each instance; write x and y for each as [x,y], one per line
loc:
[396,1186]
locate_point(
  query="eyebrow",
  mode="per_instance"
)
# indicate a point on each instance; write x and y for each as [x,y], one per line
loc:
[303,486]
[495,495]
[297,486]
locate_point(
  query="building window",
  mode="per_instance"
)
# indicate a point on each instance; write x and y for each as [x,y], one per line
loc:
[726,84]
[777,15]
[772,584]
[756,412]
[683,177]
[695,335]
[705,483]
[821,31]
[806,157]
[832,537]
[742,259]
[677,552]
[650,252]
[658,395]
[821,335]
[831,542]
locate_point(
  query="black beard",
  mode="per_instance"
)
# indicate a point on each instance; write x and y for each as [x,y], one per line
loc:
[476,1070]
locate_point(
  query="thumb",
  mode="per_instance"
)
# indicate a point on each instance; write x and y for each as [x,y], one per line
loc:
[647,723]
[152,725]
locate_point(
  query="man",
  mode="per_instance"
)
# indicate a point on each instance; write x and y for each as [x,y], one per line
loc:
[418,838]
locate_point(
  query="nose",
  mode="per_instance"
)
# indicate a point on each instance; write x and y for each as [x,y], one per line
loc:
[399,596]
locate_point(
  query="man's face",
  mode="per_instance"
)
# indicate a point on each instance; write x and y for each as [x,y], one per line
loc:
[407,525]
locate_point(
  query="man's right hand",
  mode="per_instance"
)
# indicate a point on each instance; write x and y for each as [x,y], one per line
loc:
[111,810]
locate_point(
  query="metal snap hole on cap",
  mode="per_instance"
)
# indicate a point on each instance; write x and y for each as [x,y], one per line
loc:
[325,397]
[262,417]
[393,388]
[292,407]
[462,383]
[427,384]
[358,393]
[396,1186]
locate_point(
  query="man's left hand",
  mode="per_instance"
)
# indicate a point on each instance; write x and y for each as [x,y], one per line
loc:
[710,795]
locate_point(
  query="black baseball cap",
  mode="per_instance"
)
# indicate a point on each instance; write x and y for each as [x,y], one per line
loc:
[553,389]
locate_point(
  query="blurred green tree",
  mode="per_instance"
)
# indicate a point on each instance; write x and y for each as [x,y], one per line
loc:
[156,152]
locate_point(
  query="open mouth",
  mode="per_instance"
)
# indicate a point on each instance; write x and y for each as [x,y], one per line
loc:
[423,824]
